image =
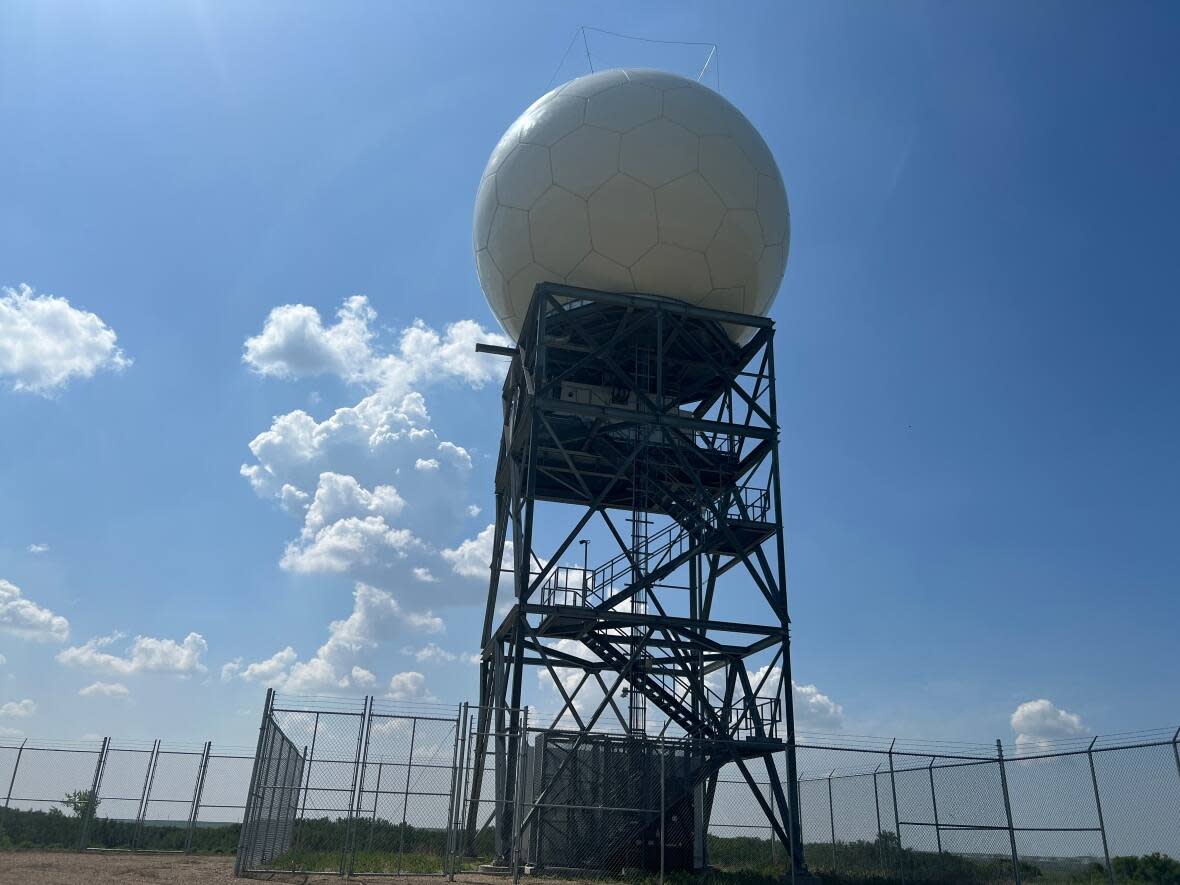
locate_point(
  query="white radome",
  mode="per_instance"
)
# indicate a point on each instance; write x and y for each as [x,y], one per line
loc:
[632,181]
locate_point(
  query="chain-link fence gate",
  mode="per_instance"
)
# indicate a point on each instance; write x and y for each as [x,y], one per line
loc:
[352,787]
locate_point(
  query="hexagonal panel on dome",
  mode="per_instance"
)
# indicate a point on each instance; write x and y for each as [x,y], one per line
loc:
[592,84]
[726,168]
[552,121]
[520,287]
[623,219]
[492,281]
[673,271]
[655,78]
[699,110]
[734,253]
[751,143]
[560,230]
[729,299]
[585,159]
[536,104]
[599,272]
[501,151]
[770,272]
[523,176]
[658,151]
[509,240]
[485,210]
[772,209]
[623,107]
[689,212]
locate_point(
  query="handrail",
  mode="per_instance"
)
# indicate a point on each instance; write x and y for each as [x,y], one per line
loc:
[594,586]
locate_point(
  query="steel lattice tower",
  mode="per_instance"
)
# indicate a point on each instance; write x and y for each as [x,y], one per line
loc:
[642,416]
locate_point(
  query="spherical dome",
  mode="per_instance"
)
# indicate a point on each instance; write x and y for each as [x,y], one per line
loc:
[632,181]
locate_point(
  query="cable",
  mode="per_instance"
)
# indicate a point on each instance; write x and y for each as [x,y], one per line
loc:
[564,56]
[713,57]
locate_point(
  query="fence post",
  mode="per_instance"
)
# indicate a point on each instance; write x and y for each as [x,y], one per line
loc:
[877,806]
[401,838]
[315,733]
[1175,751]
[517,812]
[12,780]
[248,811]
[290,807]
[795,812]
[149,778]
[460,791]
[1098,805]
[357,790]
[376,799]
[934,805]
[664,805]
[1008,811]
[198,789]
[451,801]
[896,817]
[832,819]
[92,804]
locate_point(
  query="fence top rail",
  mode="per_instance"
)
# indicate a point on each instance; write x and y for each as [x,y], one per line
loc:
[379,714]
[957,761]
[51,746]
[949,749]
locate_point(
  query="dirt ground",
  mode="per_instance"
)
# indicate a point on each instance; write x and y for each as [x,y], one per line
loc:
[97,868]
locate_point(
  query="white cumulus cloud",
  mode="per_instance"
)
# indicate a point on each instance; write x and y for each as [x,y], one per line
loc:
[473,557]
[408,686]
[22,617]
[295,343]
[146,654]
[18,709]
[345,528]
[813,708]
[363,678]
[431,651]
[1040,721]
[346,545]
[105,689]
[335,473]
[37,548]
[45,342]
[376,618]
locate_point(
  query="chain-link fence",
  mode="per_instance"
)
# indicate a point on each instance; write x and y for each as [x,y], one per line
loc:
[372,787]
[1070,811]
[122,795]
[414,792]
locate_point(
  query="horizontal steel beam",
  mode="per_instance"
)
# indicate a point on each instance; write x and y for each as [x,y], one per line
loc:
[612,618]
[633,416]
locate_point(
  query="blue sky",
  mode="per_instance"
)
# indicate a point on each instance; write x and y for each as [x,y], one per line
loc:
[976,347]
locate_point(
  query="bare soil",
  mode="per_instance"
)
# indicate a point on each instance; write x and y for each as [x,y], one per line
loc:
[116,868]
